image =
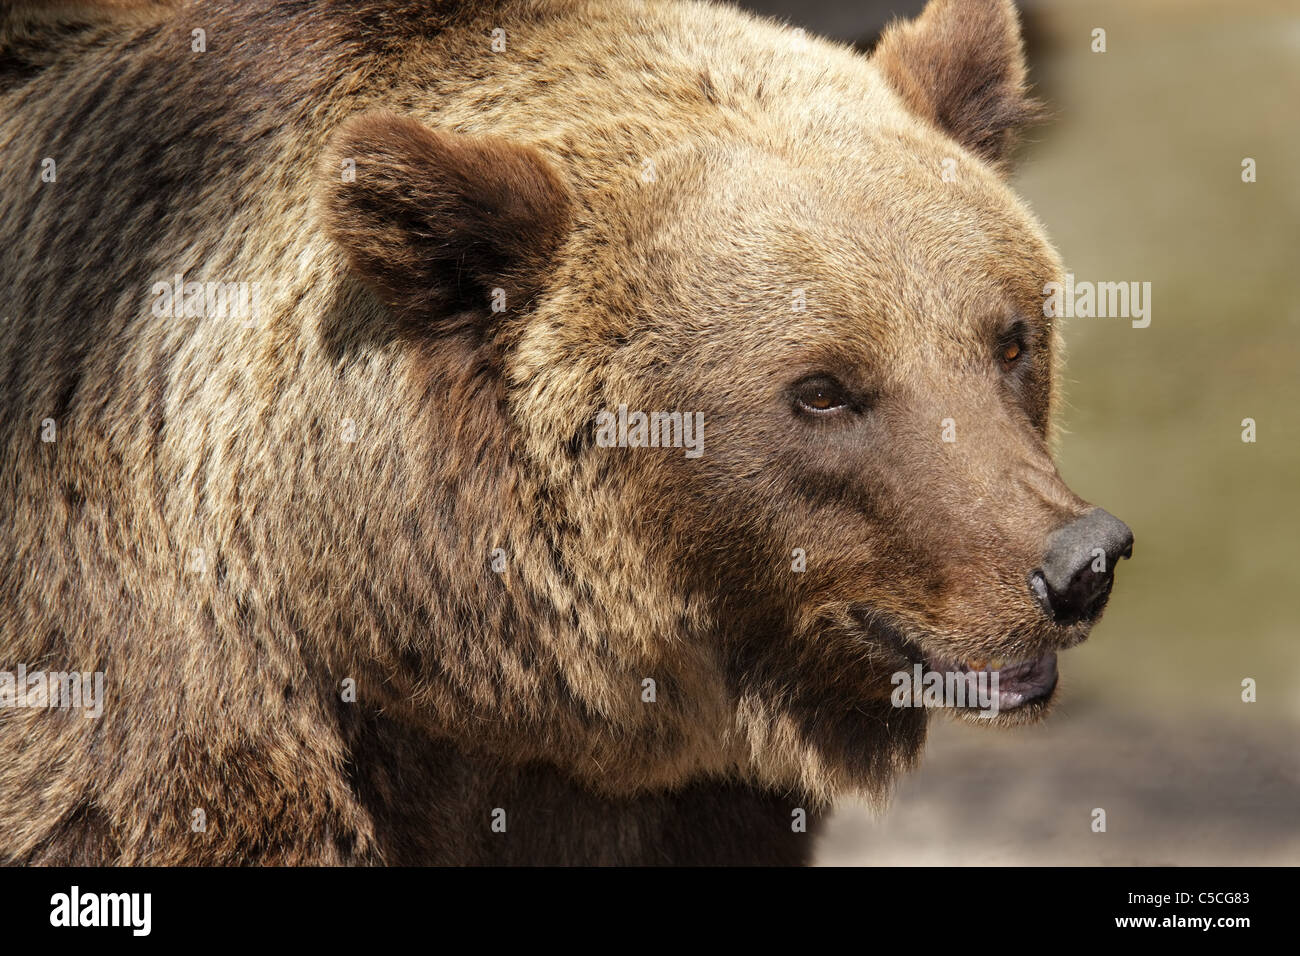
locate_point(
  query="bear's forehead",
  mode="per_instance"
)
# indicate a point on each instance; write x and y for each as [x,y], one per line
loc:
[866,239]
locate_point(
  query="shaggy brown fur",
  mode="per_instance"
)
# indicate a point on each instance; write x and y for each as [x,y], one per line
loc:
[236,517]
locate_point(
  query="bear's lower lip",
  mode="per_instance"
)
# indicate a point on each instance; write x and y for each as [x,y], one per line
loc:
[1019,683]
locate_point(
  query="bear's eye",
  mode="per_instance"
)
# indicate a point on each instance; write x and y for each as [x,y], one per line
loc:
[1011,347]
[820,395]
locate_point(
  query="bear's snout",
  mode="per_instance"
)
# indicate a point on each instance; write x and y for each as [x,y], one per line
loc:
[1074,581]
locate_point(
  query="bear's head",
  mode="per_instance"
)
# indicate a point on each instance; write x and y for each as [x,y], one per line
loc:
[775,392]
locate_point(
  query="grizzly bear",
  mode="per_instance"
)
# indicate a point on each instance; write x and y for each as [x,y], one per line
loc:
[520,432]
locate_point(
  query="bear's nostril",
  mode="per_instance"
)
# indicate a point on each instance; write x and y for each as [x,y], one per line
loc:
[1038,584]
[1078,570]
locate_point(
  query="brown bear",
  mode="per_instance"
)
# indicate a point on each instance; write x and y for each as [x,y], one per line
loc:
[520,432]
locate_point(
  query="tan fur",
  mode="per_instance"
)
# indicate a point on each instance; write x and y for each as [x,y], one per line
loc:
[780,162]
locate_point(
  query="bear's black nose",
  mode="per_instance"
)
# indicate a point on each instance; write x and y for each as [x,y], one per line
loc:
[1079,567]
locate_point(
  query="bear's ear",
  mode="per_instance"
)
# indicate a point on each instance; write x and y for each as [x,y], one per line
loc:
[437,222]
[960,65]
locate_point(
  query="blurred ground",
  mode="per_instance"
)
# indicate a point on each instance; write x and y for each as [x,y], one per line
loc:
[1138,178]
[1206,792]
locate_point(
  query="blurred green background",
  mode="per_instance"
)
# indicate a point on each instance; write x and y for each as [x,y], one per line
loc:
[1138,177]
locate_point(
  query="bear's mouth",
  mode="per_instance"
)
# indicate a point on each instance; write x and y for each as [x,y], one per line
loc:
[1024,683]
[1018,682]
